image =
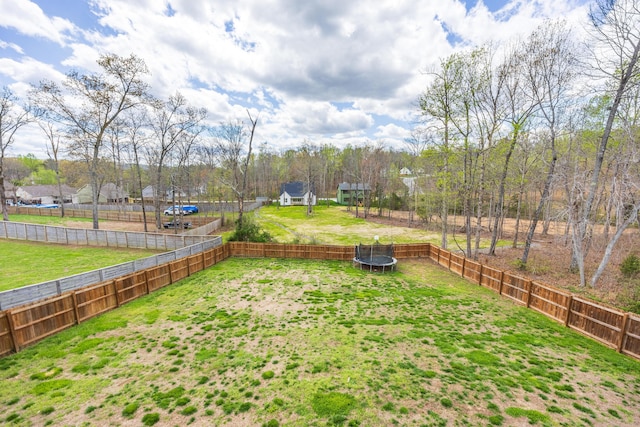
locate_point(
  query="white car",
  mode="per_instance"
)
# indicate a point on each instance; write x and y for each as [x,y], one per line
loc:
[178,210]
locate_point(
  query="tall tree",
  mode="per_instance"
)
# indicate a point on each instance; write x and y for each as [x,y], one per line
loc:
[54,143]
[234,143]
[87,105]
[551,67]
[12,117]
[171,121]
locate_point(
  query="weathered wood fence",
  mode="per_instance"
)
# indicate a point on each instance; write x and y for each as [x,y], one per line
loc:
[90,237]
[27,324]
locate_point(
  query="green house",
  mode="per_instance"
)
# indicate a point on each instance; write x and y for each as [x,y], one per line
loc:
[349,193]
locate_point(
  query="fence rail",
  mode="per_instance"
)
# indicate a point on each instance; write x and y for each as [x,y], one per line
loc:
[24,325]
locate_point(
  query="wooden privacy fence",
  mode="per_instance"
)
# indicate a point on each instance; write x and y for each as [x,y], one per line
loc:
[27,324]
[24,325]
[610,326]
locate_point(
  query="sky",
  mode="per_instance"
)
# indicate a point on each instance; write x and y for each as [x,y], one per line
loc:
[320,71]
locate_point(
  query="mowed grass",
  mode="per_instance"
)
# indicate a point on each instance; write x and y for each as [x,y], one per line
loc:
[26,263]
[47,220]
[267,342]
[333,225]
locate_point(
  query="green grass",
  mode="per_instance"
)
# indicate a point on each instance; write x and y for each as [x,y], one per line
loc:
[27,263]
[320,343]
[334,225]
[47,220]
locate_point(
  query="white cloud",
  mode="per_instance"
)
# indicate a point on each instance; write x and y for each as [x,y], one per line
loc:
[293,60]
[28,18]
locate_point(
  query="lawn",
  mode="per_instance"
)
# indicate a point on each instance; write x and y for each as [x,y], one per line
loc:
[307,343]
[333,225]
[27,263]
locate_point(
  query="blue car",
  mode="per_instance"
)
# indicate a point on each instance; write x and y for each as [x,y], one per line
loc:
[184,210]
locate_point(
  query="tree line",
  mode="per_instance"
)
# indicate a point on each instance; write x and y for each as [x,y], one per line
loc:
[540,128]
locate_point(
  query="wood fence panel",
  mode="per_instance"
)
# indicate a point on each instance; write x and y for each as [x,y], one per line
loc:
[631,340]
[515,287]
[195,263]
[95,300]
[131,287]
[208,258]
[36,321]
[158,277]
[549,301]
[339,253]
[412,250]
[456,263]
[6,340]
[434,253]
[445,258]
[472,270]
[600,323]
[179,269]
[274,250]
[491,278]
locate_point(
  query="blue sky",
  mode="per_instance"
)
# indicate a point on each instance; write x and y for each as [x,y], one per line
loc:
[325,71]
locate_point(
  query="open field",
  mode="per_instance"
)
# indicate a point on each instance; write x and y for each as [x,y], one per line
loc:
[27,263]
[303,343]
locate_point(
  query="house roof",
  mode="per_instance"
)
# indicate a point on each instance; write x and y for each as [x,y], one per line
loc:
[295,189]
[47,190]
[347,186]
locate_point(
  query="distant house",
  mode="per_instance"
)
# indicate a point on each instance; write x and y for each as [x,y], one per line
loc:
[348,193]
[45,194]
[405,171]
[109,193]
[10,193]
[149,193]
[296,194]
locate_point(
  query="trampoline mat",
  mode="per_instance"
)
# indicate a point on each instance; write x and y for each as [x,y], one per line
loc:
[376,260]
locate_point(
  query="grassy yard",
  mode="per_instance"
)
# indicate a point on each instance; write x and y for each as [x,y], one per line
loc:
[26,263]
[333,225]
[303,343]
[47,220]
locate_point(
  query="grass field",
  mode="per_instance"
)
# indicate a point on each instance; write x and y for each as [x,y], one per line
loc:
[26,263]
[265,342]
[333,225]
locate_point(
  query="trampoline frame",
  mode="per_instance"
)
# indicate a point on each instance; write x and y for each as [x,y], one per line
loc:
[376,257]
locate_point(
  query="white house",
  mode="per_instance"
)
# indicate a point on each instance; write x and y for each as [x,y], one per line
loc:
[296,194]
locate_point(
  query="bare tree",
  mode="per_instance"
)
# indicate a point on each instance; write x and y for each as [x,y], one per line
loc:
[172,121]
[12,118]
[88,104]
[54,138]
[230,140]
[616,28]
[551,68]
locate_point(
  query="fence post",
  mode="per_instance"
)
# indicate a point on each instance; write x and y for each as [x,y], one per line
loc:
[480,275]
[146,281]
[12,330]
[449,263]
[623,332]
[501,282]
[464,259]
[569,302]
[529,283]
[115,291]
[74,298]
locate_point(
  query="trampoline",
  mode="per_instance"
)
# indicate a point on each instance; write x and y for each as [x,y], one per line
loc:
[375,257]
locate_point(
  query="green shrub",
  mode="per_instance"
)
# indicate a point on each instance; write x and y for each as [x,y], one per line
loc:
[630,266]
[249,231]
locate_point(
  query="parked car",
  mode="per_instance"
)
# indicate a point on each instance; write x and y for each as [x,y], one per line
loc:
[184,210]
[177,224]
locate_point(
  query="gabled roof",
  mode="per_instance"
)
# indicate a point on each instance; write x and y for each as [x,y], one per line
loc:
[47,190]
[344,186]
[295,189]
